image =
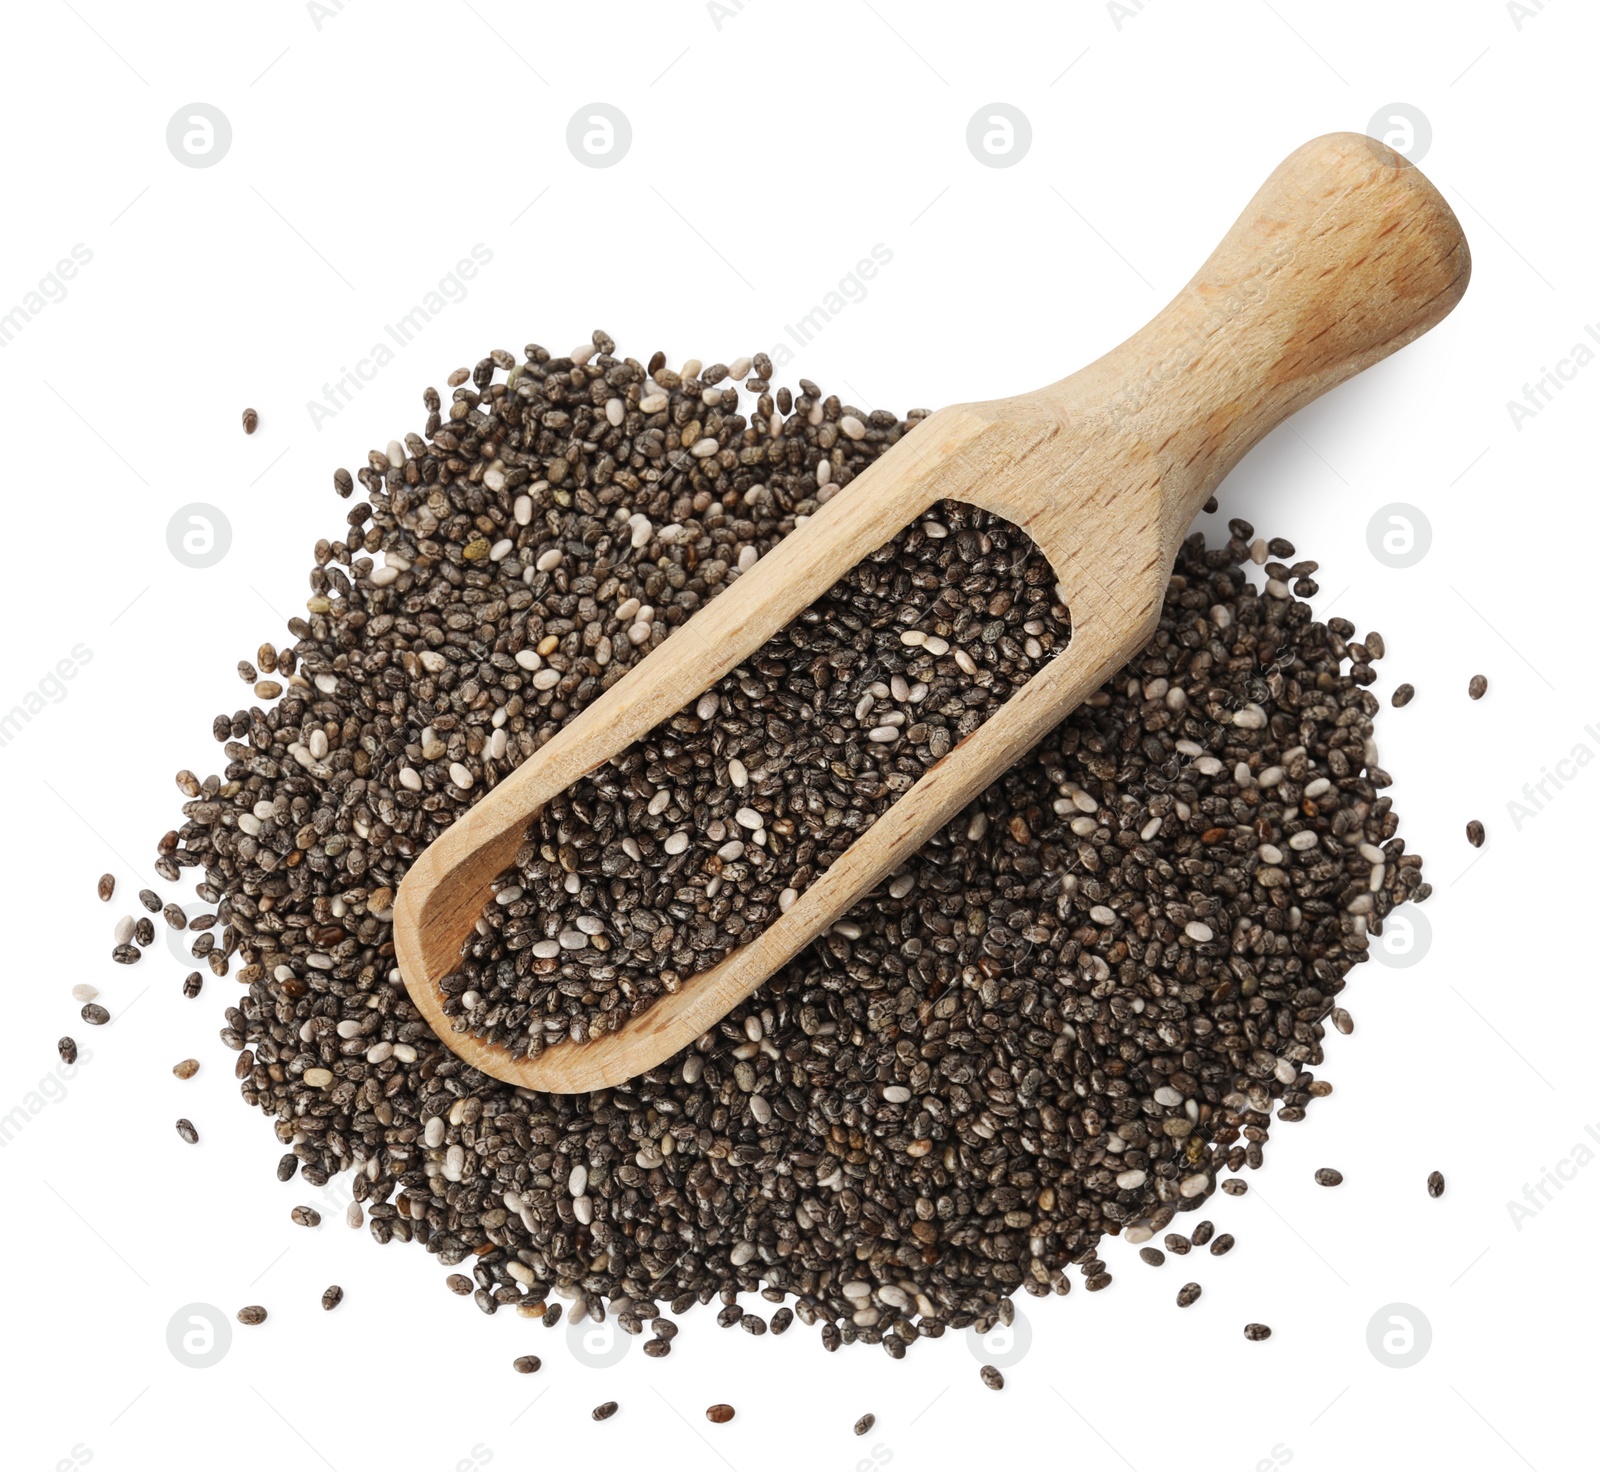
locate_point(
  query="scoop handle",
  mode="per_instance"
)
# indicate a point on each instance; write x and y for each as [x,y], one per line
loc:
[1346,253]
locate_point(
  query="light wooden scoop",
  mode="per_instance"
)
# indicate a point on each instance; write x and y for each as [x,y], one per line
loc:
[1345,254]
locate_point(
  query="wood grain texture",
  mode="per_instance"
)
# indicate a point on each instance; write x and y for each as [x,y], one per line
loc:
[1345,254]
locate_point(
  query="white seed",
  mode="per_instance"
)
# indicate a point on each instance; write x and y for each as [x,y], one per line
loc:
[522,510]
[83,992]
[383,576]
[913,638]
[731,851]
[545,949]
[936,530]
[1168,1097]
[573,940]
[749,818]
[1102,914]
[578,1180]
[853,427]
[1150,829]
[1317,786]
[659,802]
[1303,840]
[902,885]
[1130,1180]
[897,1094]
[460,775]
[786,900]
[615,409]
[652,403]
[706,706]
[676,843]
[638,634]
[748,557]
[1198,931]
[546,679]
[884,734]
[501,550]
[935,645]
[433,1132]
[1270,853]
[122,932]
[397,455]
[737,774]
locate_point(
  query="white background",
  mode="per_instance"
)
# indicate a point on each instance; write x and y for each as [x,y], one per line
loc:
[770,152]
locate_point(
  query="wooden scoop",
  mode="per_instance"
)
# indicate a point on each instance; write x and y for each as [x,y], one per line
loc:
[1346,253]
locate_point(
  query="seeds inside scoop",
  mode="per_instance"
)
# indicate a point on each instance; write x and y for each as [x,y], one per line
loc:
[650,870]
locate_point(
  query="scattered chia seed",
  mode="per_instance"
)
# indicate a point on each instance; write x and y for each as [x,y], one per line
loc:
[1178,879]
[332,1297]
[1475,833]
[250,420]
[1188,1294]
[992,1378]
[526,1364]
[107,886]
[720,1414]
[94,1014]
[1402,693]
[68,1049]
[1327,1176]
[1476,687]
[604,1411]
[865,1424]
[187,1133]
[252,1314]
[1257,1332]
[1435,1184]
